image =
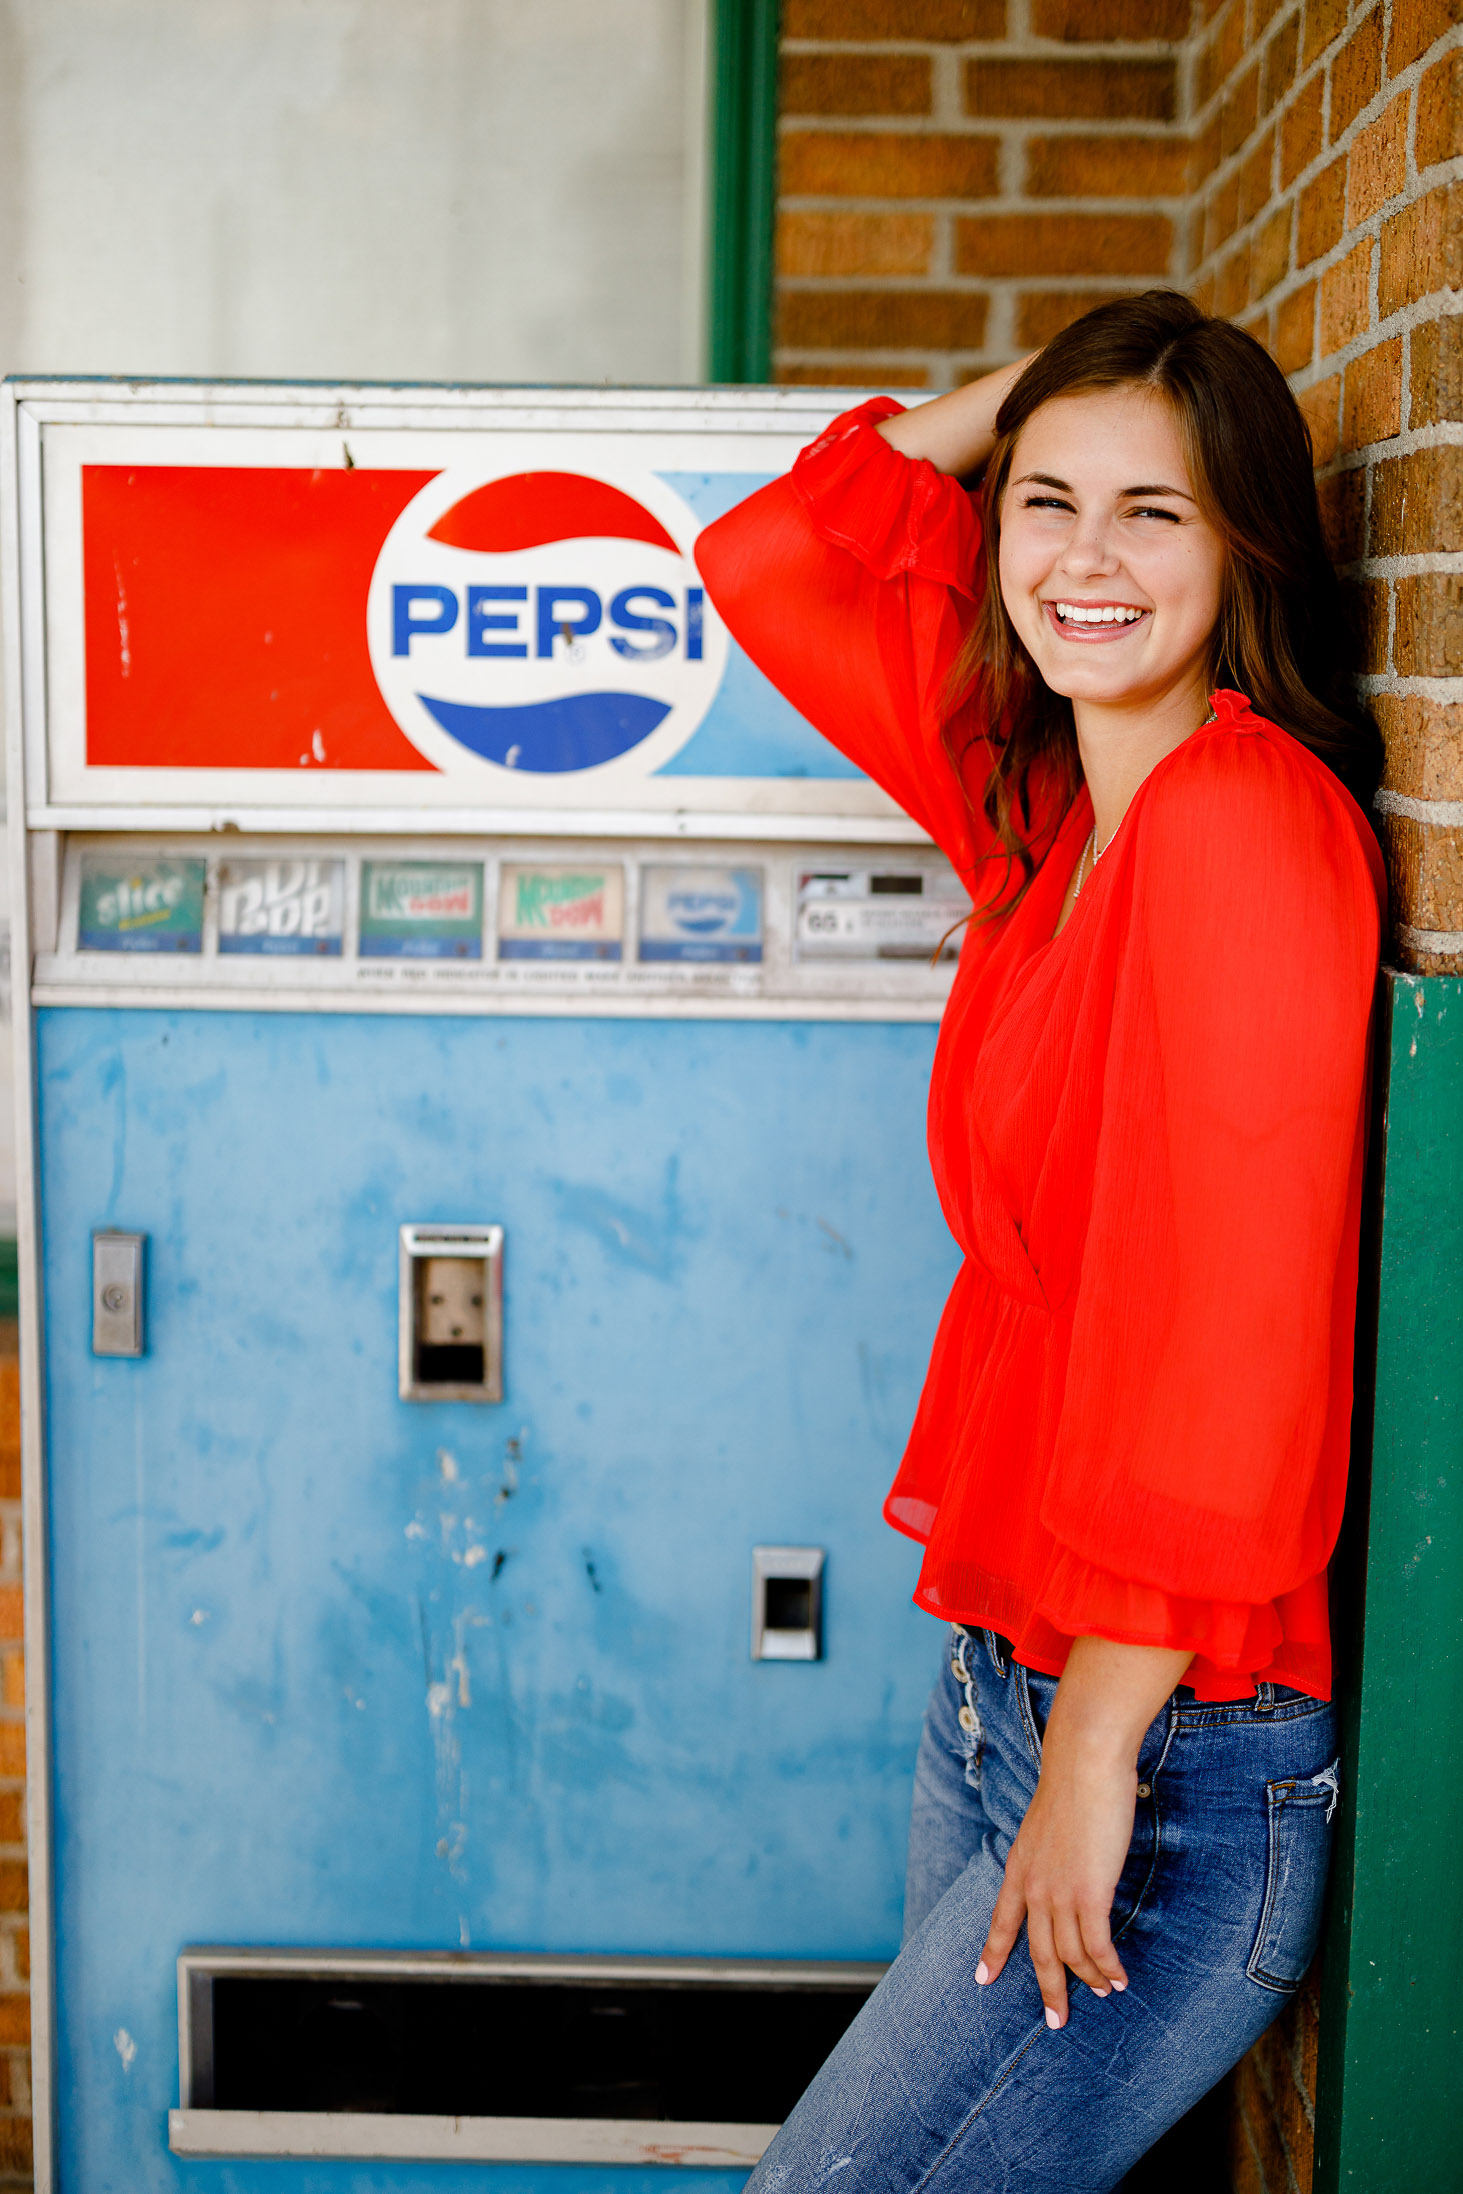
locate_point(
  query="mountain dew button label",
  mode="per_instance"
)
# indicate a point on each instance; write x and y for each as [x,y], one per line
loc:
[561,911]
[703,914]
[129,905]
[421,910]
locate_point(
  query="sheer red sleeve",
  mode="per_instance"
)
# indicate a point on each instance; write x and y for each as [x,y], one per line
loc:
[852,583]
[1210,1368]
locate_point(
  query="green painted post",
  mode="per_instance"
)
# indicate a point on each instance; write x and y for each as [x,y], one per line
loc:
[743,182]
[1391,2043]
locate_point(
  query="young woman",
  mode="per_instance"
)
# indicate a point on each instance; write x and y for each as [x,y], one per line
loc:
[1112,698]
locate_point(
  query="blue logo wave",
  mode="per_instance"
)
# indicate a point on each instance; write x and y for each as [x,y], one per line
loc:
[577,731]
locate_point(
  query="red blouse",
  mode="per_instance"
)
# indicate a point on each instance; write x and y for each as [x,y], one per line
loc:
[1147,1132]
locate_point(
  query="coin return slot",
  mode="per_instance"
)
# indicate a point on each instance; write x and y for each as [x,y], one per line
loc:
[451,1314]
[787,1603]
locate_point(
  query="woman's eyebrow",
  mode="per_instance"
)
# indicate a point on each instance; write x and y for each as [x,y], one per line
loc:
[1050,480]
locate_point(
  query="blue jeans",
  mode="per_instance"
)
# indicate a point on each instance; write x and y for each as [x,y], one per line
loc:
[944,2086]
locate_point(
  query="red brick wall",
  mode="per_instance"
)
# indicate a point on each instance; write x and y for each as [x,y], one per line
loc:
[952,192]
[1326,218]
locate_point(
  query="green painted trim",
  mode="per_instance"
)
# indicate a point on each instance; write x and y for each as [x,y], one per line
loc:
[9,1280]
[742,189]
[1391,2018]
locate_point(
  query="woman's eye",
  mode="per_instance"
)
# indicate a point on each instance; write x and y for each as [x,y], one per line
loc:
[1151,510]
[1044,502]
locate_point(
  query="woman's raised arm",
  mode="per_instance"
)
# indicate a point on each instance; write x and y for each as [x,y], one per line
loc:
[852,583]
[956,433]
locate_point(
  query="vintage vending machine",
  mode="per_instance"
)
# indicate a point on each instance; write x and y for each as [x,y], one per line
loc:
[478,1263]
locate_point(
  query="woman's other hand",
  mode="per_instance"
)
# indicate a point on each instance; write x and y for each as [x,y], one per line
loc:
[1064,1866]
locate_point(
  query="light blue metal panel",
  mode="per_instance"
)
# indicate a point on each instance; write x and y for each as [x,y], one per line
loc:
[335,1669]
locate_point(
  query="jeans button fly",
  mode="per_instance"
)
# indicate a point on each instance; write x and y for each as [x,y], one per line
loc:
[967,1718]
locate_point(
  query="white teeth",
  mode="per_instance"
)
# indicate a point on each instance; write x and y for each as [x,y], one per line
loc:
[1071,613]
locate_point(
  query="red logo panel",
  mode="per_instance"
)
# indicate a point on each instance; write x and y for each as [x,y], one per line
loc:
[226,617]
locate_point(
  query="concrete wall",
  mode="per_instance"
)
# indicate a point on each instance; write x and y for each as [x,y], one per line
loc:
[440,191]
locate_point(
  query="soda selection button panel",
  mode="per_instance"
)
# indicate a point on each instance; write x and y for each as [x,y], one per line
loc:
[521,926]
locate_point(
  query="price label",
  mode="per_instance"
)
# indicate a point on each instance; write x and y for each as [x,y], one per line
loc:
[879,914]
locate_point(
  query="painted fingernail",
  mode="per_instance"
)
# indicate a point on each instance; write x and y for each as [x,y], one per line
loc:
[1053,2018]
[982,1974]
[1102,1992]
[1120,1986]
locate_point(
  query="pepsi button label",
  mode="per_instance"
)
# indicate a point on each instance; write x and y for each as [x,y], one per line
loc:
[700,914]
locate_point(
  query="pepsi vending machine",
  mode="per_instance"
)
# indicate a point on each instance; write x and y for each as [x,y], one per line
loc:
[478,1263]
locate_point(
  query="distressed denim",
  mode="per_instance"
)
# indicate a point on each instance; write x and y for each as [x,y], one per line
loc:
[942,2085]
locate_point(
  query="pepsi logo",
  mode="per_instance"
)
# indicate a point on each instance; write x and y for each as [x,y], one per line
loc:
[703,910]
[544,622]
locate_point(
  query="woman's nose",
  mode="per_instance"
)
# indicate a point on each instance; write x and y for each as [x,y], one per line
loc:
[1090,548]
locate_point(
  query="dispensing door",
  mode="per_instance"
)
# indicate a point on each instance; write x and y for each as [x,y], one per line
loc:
[479,1263]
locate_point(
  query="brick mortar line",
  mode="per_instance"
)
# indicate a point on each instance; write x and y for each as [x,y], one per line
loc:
[966,285]
[1422,564]
[1025,46]
[1411,686]
[889,285]
[1431,814]
[1439,942]
[981,208]
[1407,441]
[979,126]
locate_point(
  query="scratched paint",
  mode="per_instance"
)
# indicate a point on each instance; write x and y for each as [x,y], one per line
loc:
[336,1669]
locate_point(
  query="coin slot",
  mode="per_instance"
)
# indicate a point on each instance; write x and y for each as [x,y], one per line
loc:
[787,1603]
[451,1314]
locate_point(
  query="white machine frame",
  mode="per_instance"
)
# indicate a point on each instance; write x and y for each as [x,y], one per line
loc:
[760,427]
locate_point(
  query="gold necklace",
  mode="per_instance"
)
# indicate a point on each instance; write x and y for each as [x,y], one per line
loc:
[1090,847]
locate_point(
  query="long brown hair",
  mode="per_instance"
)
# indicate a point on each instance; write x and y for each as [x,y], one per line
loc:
[1281,634]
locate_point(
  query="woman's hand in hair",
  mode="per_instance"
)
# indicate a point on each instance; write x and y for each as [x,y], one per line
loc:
[1064,1866]
[956,432]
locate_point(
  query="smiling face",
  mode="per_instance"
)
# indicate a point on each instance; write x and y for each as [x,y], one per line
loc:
[1109,572]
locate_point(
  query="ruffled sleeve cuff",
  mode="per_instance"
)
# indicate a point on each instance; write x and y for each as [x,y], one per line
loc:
[1083,1601]
[894,513]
